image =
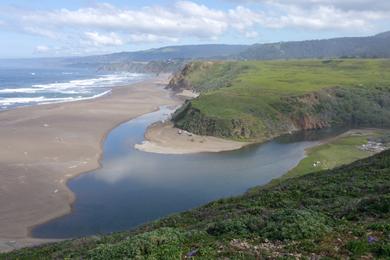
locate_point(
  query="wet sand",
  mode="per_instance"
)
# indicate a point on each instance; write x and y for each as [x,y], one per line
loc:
[44,146]
[163,138]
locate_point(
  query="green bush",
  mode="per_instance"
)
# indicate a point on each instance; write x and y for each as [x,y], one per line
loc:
[358,247]
[382,250]
[293,224]
[229,226]
[162,243]
[375,205]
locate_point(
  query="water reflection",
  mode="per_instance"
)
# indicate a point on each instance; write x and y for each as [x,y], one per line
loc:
[134,187]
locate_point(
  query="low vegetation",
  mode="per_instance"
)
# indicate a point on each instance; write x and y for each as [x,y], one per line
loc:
[258,100]
[339,213]
[344,149]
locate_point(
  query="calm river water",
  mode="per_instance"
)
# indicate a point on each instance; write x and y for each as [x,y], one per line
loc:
[134,187]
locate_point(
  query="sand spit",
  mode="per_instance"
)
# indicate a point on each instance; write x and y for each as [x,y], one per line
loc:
[165,139]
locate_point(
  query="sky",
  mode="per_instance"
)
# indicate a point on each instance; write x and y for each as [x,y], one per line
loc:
[77,28]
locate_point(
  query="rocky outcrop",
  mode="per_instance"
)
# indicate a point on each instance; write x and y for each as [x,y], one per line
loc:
[181,80]
[307,122]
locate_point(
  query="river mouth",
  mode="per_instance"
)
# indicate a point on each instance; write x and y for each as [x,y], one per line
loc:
[134,187]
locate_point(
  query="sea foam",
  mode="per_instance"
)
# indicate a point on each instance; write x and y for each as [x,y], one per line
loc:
[73,90]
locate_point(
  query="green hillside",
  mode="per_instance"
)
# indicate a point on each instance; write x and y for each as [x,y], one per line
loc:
[337,213]
[258,100]
[340,150]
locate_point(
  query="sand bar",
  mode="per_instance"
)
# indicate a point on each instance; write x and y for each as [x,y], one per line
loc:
[163,138]
[44,146]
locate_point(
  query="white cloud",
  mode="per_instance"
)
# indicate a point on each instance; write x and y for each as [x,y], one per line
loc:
[251,34]
[189,19]
[323,17]
[105,26]
[41,32]
[185,19]
[345,5]
[242,18]
[359,15]
[42,49]
[96,39]
[151,38]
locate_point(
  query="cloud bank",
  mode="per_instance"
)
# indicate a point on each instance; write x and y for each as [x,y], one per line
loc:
[105,25]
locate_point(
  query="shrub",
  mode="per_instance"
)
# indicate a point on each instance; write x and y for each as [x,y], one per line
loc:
[162,243]
[230,226]
[375,205]
[382,250]
[292,224]
[358,247]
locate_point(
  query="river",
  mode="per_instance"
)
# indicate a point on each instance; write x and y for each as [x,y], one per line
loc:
[135,187]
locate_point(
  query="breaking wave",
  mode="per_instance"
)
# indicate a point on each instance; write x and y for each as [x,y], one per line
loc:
[73,90]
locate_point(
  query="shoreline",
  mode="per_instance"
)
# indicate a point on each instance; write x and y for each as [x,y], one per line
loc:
[73,196]
[17,221]
[164,138]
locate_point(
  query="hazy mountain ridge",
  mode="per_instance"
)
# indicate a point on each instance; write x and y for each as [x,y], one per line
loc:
[354,47]
[153,67]
[207,51]
[347,47]
[336,47]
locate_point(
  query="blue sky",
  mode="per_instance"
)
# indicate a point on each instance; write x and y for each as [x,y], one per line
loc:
[67,28]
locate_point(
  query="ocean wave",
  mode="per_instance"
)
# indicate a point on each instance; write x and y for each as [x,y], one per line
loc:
[82,86]
[41,100]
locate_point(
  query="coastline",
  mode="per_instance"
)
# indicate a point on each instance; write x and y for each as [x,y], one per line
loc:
[47,145]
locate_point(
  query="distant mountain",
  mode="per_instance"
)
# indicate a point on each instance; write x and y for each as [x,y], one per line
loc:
[377,46]
[153,67]
[187,52]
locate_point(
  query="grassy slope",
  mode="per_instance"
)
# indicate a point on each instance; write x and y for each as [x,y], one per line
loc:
[336,213]
[344,149]
[258,93]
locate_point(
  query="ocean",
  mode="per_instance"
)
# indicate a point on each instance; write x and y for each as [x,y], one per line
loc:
[36,84]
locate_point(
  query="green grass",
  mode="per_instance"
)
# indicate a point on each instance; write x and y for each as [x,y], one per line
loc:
[266,81]
[264,96]
[334,214]
[344,149]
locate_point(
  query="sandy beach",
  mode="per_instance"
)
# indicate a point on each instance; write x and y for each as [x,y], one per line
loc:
[44,146]
[165,139]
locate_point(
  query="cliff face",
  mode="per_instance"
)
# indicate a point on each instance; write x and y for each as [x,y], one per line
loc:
[182,79]
[179,81]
